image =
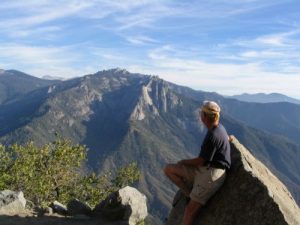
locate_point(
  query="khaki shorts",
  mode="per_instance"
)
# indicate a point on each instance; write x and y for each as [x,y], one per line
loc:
[206,181]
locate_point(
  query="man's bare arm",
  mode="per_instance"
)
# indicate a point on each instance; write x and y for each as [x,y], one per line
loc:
[199,161]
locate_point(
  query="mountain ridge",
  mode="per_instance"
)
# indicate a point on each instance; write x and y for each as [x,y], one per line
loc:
[123,117]
[14,84]
[265,98]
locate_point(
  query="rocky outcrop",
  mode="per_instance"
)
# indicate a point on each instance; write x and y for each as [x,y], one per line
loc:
[250,195]
[12,202]
[145,103]
[155,98]
[127,204]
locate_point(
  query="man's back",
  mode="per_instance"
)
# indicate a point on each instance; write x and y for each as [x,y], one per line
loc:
[216,147]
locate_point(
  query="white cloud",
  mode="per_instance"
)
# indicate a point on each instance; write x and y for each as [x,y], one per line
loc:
[141,40]
[47,13]
[225,78]
[232,63]
[56,61]
[215,78]
[20,4]
[125,14]
[272,40]
[46,32]
[276,52]
[279,40]
[30,54]
[262,54]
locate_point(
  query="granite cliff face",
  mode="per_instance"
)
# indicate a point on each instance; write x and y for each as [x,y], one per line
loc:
[251,195]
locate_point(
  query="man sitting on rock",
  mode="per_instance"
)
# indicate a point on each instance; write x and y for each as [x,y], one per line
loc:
[207,171]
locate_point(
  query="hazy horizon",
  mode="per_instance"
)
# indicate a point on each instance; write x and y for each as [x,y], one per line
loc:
[47,77]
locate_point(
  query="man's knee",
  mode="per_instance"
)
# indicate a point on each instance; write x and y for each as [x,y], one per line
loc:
[172,169]
[168,169]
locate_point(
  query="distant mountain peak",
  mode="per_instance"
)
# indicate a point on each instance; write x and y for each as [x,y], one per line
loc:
[18,74]
[265,98]
[117,71]
[14,84]
[48,77]
[120,70]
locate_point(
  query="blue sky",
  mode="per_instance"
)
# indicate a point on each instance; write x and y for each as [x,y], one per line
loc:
[227,46]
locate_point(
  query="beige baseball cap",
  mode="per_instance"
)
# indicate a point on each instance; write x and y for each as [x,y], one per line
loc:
[210,107]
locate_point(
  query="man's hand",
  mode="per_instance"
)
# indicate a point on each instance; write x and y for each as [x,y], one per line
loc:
[230,138]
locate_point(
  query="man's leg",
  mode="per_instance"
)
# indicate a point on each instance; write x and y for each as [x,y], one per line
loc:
[176,174]
[190,212]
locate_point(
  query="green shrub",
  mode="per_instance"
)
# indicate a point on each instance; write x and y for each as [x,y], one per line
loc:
[54,172]
[127,175]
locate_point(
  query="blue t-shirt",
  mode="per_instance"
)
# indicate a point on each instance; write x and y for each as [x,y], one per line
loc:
[216,147]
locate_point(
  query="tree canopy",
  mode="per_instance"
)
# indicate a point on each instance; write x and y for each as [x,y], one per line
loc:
[55,171]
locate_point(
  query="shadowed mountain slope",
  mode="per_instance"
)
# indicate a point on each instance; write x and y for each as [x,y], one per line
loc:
[124,117]
[280,118]
[14,84]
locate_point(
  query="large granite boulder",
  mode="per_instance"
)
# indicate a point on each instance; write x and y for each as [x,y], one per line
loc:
[12,202]
[127,204]
[250,195]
